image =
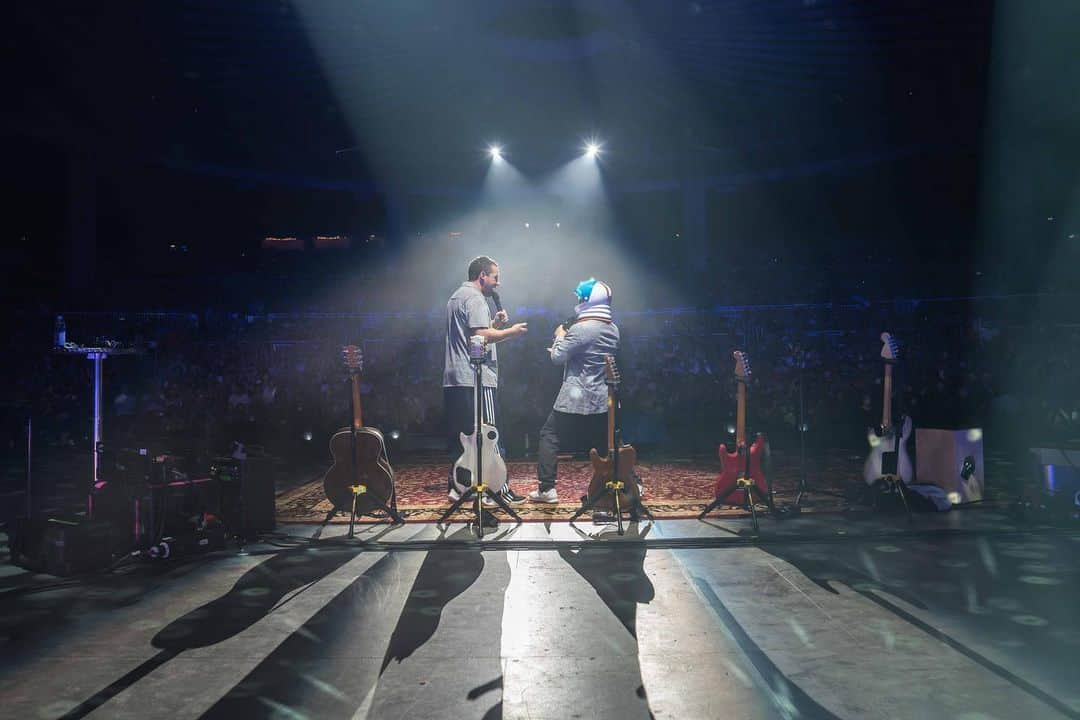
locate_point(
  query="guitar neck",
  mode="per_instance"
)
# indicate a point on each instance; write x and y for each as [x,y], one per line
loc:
[740,416]
[357,417]
[611,419]
[886,403]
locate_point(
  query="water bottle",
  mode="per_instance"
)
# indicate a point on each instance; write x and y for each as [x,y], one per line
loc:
[61,332]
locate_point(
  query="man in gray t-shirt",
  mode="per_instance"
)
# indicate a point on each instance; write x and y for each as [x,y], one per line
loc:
[468,314]
[466,310]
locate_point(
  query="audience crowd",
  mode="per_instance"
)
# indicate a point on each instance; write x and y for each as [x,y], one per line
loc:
[201,383]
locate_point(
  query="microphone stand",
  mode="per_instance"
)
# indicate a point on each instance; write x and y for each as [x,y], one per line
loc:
[800,360]
[477,491]
[799,357]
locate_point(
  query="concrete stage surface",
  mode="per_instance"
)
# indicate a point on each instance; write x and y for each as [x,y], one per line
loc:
[967,615]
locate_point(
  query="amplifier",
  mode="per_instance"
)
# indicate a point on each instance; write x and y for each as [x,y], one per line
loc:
[952,460]
[142,512]
[174,507]
[136,467]
[61,546]
[246,490]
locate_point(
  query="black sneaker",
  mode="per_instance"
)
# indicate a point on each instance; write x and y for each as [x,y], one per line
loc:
[512,497]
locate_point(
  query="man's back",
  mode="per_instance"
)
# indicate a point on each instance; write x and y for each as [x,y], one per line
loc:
[583,349]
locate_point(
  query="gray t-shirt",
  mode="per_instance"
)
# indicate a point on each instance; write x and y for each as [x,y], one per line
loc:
[467,309]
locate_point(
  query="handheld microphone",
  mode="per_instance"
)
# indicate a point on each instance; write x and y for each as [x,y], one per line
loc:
[498,302]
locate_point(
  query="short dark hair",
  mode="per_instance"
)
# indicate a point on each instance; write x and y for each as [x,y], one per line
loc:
[482,264]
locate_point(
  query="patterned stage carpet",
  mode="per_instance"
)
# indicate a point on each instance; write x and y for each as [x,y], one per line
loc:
[678,488]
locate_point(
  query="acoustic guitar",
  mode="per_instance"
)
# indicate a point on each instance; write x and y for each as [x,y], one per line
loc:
[614,466]
[359,454]
[733,463]
[888,458]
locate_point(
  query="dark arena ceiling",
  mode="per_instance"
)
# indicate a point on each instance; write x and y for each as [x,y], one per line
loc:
[410,92]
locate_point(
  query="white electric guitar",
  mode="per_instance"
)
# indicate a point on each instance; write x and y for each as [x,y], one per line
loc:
[493,468]
[888,459]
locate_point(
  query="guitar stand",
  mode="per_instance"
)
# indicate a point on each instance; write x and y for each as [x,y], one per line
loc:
[390,510]
[751,497]
[477,493]
[637,509]
[893,483]
[890,462]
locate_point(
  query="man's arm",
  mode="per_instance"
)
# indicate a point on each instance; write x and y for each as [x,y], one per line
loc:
[493,336]
[481,323]
[566,343]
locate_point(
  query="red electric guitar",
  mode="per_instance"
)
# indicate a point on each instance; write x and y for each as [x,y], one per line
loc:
[736,475]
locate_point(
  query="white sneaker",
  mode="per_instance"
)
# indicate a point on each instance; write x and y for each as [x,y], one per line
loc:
[488,501]
[453,496]
[545,496]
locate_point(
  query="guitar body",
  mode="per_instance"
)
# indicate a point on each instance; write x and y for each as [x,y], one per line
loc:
[881,449]
[372,469]
[603,471]
[733,467]
[493,471]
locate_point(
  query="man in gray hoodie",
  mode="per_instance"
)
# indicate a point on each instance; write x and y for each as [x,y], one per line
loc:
[577,420]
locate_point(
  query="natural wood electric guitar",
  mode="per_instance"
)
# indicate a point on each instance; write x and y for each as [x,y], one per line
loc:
[733,463]
[359,452]
[888,458]
[615,465]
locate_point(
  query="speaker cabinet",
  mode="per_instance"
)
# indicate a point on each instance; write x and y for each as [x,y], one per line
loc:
[61,546]
[247,494]
[952,460]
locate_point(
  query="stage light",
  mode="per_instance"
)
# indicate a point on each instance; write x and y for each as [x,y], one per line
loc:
[307,435]
[394,434]
[592,149]
[495,151]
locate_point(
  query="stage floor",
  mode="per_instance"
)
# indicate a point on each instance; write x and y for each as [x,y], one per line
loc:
[960,615]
